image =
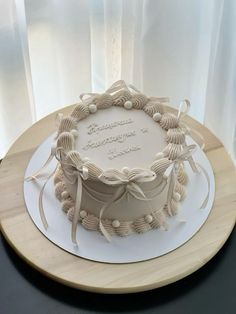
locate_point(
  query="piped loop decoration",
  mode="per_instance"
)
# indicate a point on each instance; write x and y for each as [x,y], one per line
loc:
[193,133]
[133,88]
[117,86]
[162,100]
[39,174]
[115,177]
[183,108]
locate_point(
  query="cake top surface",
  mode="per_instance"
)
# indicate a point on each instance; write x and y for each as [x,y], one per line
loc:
[117,138]
[120,133]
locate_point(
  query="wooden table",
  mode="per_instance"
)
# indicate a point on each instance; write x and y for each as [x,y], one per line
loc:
[35,249]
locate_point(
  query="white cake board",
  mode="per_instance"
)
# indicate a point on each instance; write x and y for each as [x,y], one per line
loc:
[133,248]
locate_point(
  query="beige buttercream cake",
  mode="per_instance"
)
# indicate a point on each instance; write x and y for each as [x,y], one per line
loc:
[120,162]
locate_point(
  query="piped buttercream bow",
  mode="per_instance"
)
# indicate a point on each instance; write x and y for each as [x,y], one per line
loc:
[116,87]
[74,173]
[126,184]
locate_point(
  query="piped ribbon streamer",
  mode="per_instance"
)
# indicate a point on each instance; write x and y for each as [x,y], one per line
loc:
[183,110]
[82,174]
[39,174]
[41,210]
[186,155]
[205,201]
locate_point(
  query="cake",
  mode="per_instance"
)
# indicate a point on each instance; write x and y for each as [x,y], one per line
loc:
[121,162]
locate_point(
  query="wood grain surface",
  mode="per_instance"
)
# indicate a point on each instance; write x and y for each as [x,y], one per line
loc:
[20,232]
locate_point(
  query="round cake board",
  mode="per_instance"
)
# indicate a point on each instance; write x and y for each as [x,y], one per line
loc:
[133,248]
[54,262]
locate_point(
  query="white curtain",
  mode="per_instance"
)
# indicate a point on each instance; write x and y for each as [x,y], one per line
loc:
[53,50]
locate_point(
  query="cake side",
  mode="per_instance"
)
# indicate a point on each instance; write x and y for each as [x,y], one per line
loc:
[147,220]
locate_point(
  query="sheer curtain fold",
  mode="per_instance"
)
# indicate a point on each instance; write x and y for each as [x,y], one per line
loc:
[181,49]
[60,52]
[220,105]
[15,108]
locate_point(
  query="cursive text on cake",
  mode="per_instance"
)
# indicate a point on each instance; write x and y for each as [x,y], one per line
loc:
[120,138]
[96,128]
[113,153]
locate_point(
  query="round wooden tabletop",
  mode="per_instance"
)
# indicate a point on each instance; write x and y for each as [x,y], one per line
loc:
[23,236]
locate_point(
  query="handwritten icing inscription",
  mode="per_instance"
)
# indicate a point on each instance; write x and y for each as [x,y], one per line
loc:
[124,137]
[113,153]
[95,128]
[120,138]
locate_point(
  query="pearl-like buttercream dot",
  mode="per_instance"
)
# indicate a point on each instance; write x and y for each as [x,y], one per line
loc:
[115,223]
[65,194]
[125,170]
[83,213]
[157,117]
[74,132]
[148,218]
[86,159]
[159,155]
[92,108]
[177,196]
[128,104]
